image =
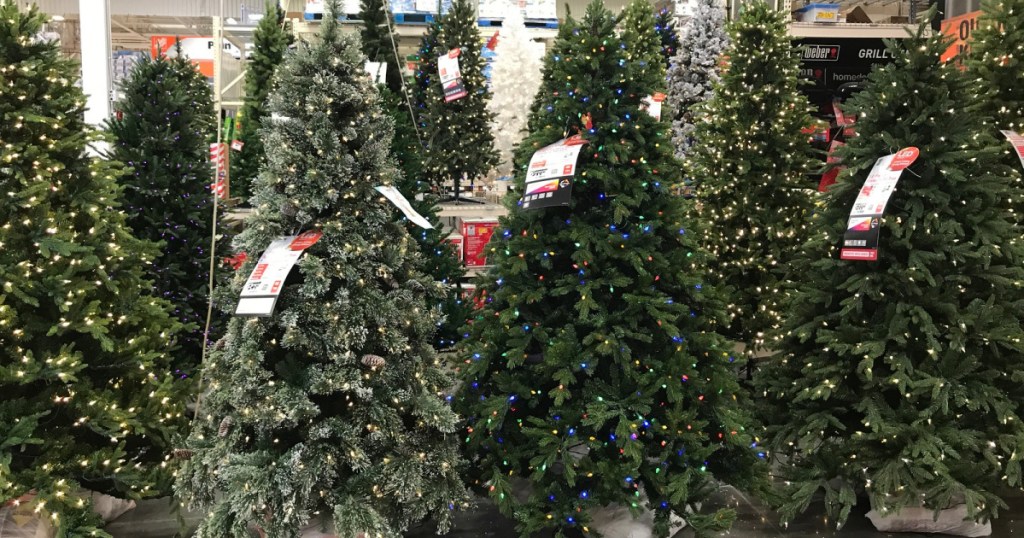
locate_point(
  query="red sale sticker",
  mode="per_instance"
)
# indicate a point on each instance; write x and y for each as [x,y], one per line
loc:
[904,158]
[306,240]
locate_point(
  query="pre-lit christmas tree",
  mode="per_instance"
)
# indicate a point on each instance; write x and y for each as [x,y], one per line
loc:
[89,400]
[162,130]
[665,25]
[900,378]
[539,107]
[750,168]
[593,370]
[694,71]
[271,39]
[380,44]
[331,407]
[994,62]
[644,43]
[425,75]
[515,78]
[440,258]
[457,134]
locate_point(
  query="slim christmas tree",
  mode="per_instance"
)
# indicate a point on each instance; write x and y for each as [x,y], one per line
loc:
[665,25]
[271,40]
[515,79]
[425,75]
[164,123]
[899,377]
[440,258]
[457,133]
[89,401]
[332,406]
[694,71]
[593,369]
[750,169]
[380,44]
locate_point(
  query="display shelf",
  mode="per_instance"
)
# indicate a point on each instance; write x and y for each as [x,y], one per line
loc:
[452,210]
[841,30]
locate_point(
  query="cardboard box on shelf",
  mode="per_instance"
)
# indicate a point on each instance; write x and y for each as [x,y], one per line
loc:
[476,234]
[458,242]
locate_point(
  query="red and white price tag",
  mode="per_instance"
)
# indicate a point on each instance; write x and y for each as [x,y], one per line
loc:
[263,287]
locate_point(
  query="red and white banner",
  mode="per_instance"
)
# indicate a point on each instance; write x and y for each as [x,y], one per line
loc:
[860,242]
[219,157]
[263,287]
[1017,140]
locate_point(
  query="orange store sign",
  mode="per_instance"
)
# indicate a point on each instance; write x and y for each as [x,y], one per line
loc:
[960,28]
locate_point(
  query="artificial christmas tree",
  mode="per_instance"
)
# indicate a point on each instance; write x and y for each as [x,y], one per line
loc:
[271,39]
[440,260]
[456,131]
[164,122]
[515,79]
[644,43]
[85,352]
[332,403]
[425,75]
[997,48]
[994,62]
[380,44]
[593,369]
[750,168]
[665,25]
[694,71]
[899,378]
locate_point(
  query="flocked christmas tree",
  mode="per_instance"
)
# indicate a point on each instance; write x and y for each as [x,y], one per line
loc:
[515,79]
[85,352]
[457,134]
[694,71]
[593,371]
[332,407]
[899,378]
[380,44]
[995,59]
[750,171]
[271,39]
[665,25]
[162,130]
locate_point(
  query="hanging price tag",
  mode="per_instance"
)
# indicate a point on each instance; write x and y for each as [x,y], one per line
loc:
[1018,143]
[451,76]
[654,105]
[402,203]
[549,178]
[860,242]
[261,290]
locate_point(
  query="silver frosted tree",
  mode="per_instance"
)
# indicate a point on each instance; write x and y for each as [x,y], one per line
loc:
[694,70]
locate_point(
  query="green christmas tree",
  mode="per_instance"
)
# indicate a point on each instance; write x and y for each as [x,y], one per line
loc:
[995,59]
[457,134]
[641,32]
[539,108]
[271,40]
[380,44]
[750,168]
[426,75]
[85,352]
[593,370]
[900,378]
[332,407]
[162,131]
[665,25]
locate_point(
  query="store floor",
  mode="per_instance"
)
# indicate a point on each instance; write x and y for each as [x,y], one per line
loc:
[153,520]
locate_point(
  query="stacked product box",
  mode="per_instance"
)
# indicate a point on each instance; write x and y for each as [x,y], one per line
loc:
[476,233]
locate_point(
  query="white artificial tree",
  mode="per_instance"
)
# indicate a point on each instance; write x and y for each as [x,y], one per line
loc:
[694,70]
[515,79]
